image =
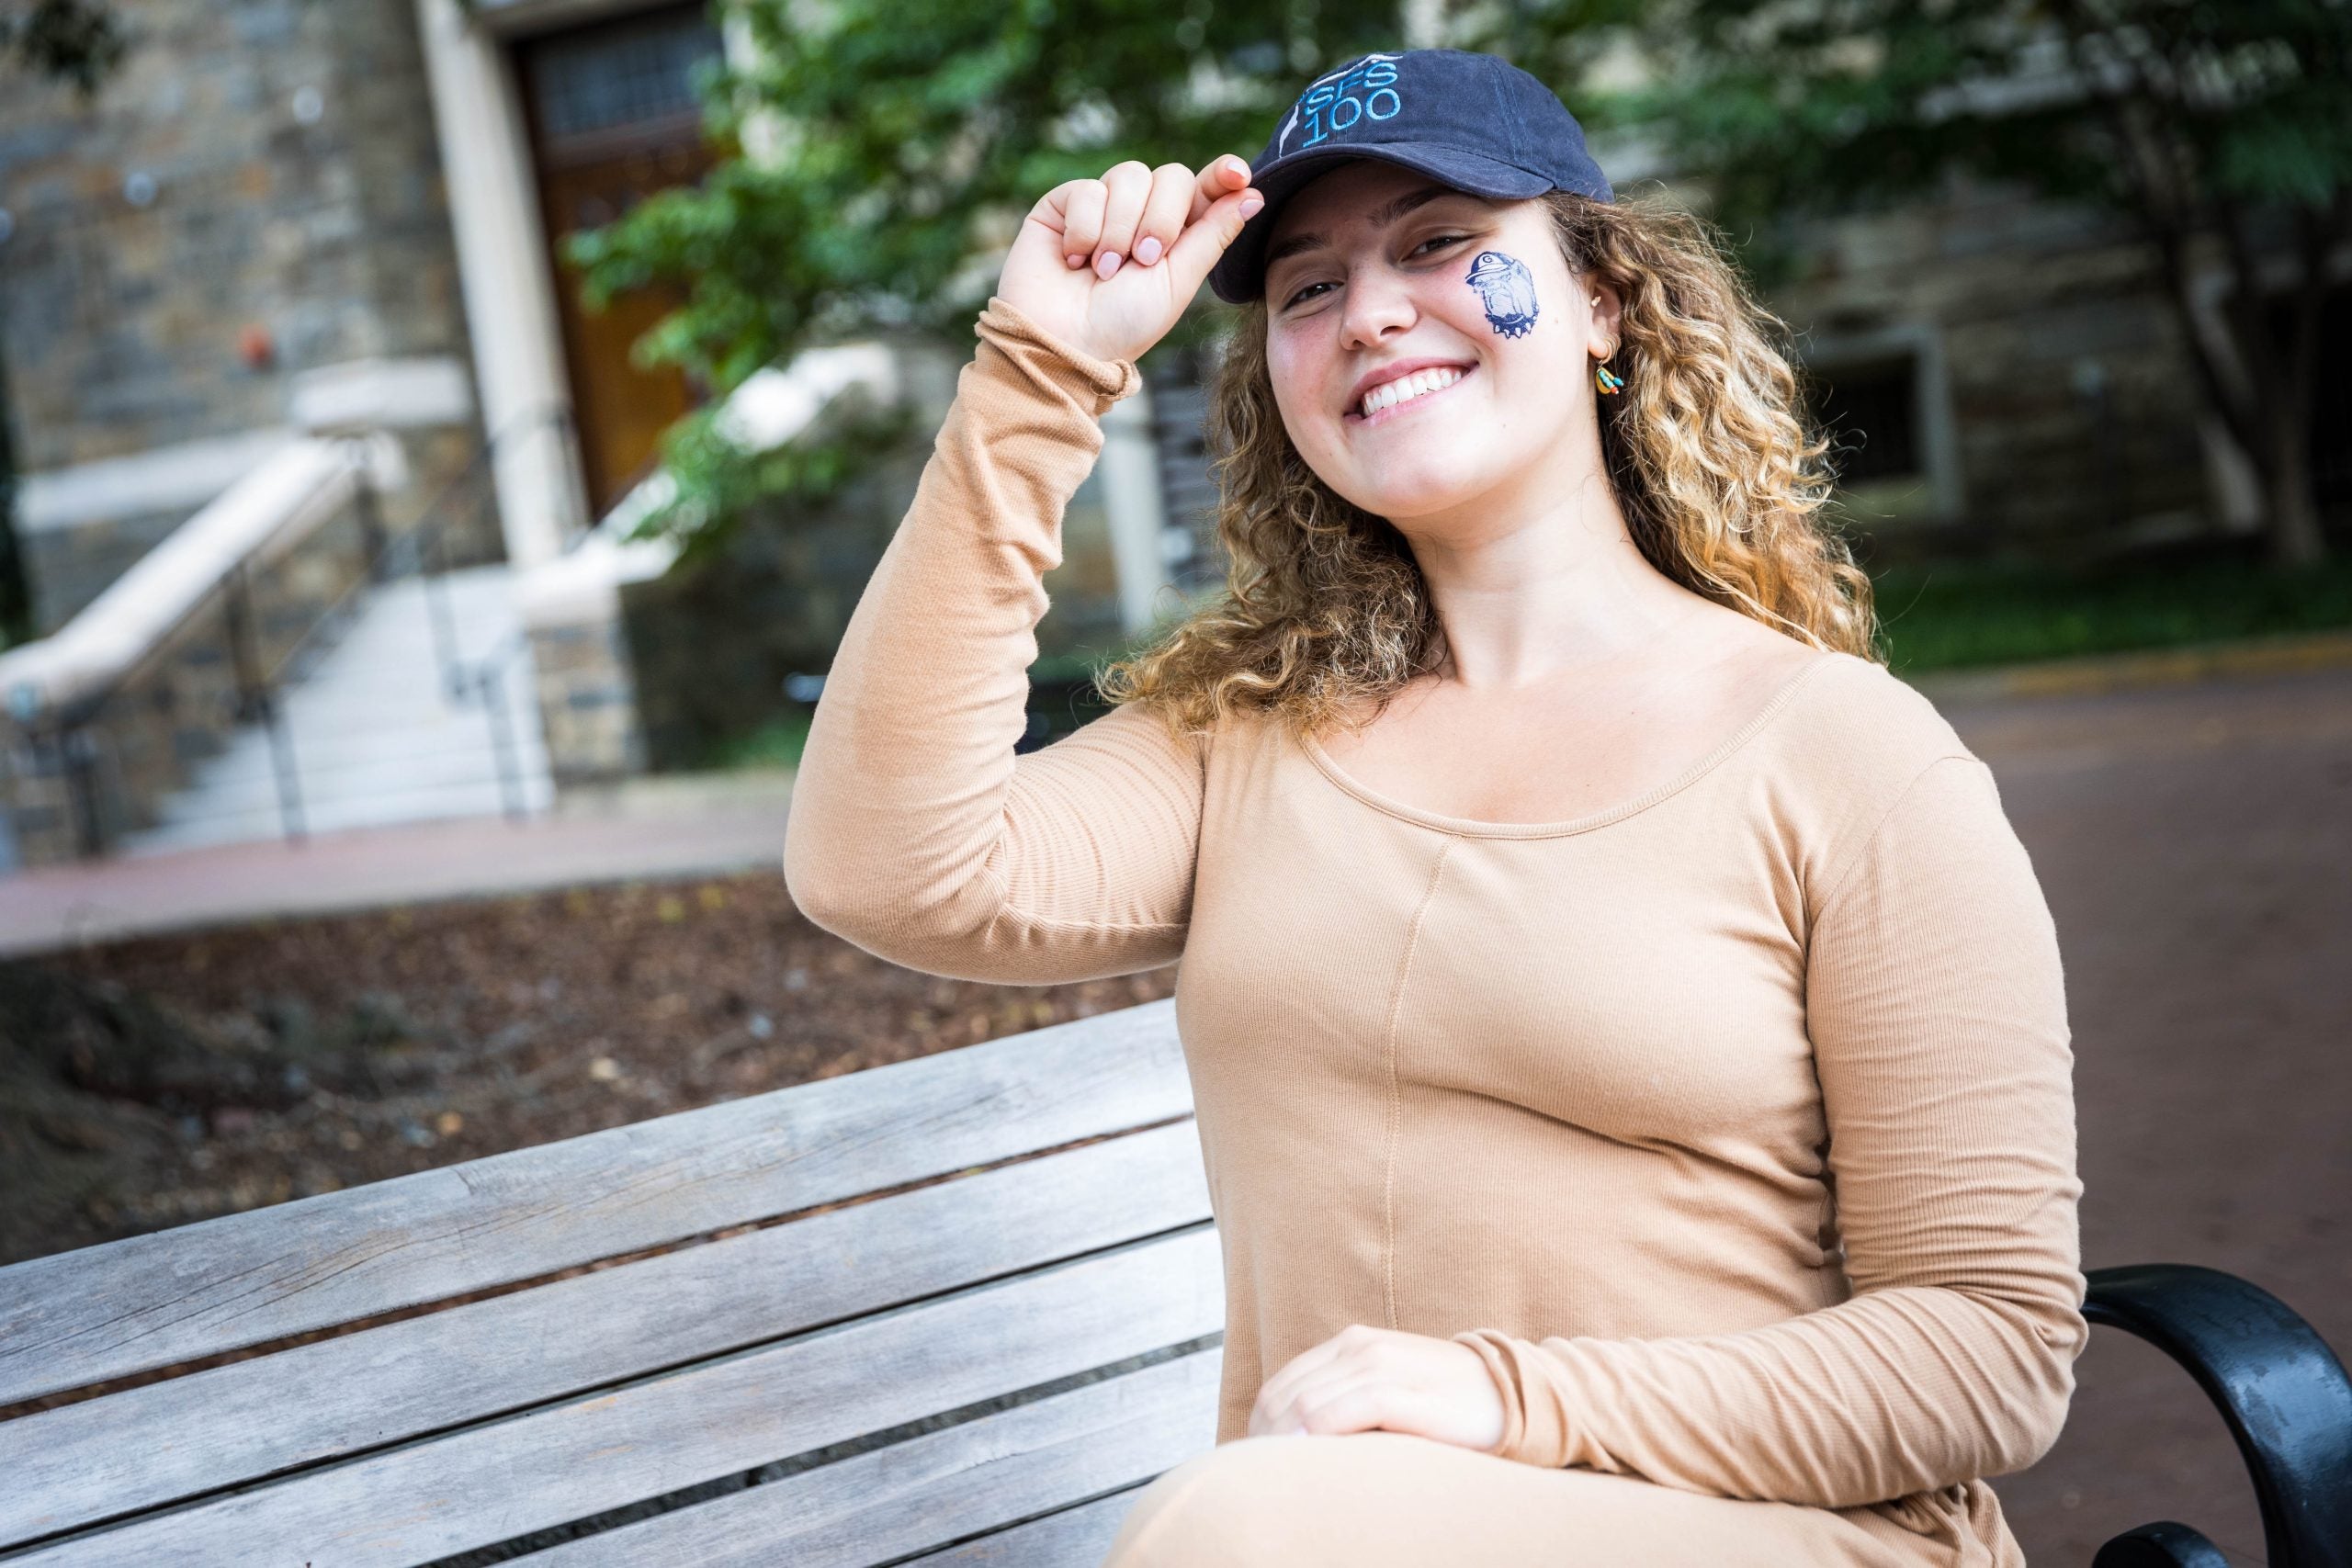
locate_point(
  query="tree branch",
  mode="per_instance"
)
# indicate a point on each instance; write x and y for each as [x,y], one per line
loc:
[2165,215]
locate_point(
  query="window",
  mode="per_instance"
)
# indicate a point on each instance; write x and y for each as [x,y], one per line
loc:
[628,74]
[1872,413]
[1883,400]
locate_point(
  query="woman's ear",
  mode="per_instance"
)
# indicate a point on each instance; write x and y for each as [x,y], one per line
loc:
[1602,306]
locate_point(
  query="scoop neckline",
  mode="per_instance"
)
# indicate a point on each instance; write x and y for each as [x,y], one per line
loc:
[1472,827]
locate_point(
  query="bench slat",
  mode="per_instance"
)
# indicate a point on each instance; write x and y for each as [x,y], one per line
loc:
[981,1475]
[79,1317]
[1075,1538]
[249,1420]
[571,1462]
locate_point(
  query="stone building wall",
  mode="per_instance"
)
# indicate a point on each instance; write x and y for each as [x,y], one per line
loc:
[2072,425]
[255,195]
[587,696]
[67,567]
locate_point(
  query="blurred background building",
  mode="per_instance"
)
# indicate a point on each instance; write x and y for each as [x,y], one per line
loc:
[323,474]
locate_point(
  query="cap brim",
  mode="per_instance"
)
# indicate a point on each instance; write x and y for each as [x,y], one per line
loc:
[1238,276]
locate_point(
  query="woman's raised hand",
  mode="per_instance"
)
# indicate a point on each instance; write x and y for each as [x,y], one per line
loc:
[1108,265]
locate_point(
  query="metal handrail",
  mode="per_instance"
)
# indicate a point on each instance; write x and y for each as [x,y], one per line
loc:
[430,533]
[482,679]
[655,462]
[71,709]
[489,674]
[256,693]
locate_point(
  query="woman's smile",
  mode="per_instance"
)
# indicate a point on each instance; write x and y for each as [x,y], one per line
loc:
[1393,399]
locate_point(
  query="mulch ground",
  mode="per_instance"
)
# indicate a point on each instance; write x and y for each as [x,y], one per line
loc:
[156,1082]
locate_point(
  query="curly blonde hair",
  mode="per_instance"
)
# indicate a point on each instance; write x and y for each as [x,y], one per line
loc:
[1721,479]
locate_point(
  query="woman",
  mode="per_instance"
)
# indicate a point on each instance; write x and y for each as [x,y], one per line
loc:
[1628,1040]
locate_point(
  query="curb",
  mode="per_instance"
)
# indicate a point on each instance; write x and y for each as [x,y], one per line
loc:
[762,789]
[2092,674]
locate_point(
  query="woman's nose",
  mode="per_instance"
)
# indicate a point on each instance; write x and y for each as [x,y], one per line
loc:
[1377,303]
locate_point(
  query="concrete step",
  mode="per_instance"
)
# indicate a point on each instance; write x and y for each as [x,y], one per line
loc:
[256,782]
[360,791]
[471,799]
[374,736]
[416,683]
[423,716]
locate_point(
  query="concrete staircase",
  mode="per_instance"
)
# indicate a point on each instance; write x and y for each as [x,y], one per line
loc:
[375,736]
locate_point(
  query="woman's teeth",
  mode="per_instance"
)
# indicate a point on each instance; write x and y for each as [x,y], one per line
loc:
[1388,394]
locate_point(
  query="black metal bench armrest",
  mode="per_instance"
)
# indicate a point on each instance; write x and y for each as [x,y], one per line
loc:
[2281,1389]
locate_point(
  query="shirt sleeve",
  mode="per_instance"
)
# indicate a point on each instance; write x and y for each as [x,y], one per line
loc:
[1936,1010]
[915,831]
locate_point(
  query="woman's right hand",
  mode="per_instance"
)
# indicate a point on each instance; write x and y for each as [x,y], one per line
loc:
[1108,265]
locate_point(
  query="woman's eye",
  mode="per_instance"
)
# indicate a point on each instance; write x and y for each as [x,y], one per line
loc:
[1440,239]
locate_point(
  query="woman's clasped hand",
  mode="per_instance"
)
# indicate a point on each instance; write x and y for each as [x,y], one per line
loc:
[1364,1378]
[1108,265]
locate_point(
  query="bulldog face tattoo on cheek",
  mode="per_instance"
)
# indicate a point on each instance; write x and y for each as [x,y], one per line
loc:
[1507,291]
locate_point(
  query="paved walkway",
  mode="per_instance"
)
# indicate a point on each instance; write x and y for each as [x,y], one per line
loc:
[650,828]
[2195,843]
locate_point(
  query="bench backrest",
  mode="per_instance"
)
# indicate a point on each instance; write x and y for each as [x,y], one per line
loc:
[966,1302]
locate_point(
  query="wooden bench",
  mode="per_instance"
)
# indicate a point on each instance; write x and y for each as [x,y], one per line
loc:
[953,1310]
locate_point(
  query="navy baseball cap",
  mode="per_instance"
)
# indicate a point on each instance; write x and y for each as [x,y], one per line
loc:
[1473,121]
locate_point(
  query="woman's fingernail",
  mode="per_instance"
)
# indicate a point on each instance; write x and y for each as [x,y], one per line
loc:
[1107,263]
[1078,260]
[1148,252]
[1251,205]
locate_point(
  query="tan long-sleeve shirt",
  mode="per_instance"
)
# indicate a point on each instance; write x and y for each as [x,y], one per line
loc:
[1732,1125]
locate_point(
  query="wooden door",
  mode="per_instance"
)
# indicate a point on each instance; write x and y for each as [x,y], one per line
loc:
[614,119]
